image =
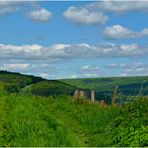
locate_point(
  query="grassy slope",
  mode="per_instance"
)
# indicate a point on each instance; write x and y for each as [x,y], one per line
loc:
[27,120]
[105,84]
[18,79]
[104,87]
[47,88]
[37,121]
[15,82]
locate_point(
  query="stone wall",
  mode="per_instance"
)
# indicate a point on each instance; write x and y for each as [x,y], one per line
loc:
[84,93]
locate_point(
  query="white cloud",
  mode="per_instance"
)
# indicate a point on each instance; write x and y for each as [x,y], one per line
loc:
[89,68]
[119,6]
[66,51]
[88,71]
[23,51]
[8,7]
[37,68]
[90,75]
[118,32]
[112,66]
[84,16]
[83,75]
[73,76]
[43,75]
[41,15]
[136,69]
[15,66]
[123,74]
[126,66]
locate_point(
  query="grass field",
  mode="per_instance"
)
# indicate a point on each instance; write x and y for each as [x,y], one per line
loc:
[58,120]
[37,121]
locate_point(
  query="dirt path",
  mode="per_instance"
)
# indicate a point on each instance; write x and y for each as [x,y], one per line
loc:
[73,125]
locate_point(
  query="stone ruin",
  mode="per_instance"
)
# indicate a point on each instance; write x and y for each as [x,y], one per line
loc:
[90,95]
[87,94]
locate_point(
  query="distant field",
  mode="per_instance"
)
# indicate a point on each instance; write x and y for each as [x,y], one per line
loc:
[129,86]
[102,84]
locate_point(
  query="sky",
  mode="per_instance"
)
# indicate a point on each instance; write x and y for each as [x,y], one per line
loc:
[74,39]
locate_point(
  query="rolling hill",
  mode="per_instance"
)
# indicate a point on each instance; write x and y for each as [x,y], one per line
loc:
[39,112]
[15,83]
[104,87]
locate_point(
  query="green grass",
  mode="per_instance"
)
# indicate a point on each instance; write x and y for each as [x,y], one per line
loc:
[54,88]
[27,120]
[130,126]
[38,121]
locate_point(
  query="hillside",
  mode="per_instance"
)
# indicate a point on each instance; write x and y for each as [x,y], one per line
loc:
[18,83]
[42,113]
[104,87]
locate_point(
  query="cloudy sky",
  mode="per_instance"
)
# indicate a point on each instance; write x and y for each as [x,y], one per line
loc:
[74,39]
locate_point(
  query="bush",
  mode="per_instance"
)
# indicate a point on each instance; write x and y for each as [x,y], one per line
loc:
[12,88]
[53,88]
[130,127]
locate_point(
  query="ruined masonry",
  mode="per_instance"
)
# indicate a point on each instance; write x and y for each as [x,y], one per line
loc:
[82,93]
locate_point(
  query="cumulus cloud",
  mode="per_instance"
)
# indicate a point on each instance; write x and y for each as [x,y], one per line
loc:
[113,65]
[14,66]
[41,15]
[44,75]
[82,75]
[136,69]
[126,66]
[119,6]
[75,76]
[24,51]
[123,74]
[86,71]
[44,70]
[89,68]
[66,51]
[8,7]
[84,16]
[118,32]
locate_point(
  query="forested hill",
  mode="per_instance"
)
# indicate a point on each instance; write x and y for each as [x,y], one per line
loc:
[104,87]
[16,82]
[108,83]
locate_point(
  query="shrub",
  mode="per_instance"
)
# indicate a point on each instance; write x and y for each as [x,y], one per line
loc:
[130,125]
[11,88]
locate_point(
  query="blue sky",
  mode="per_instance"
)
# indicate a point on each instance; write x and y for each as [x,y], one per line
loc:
[74,39]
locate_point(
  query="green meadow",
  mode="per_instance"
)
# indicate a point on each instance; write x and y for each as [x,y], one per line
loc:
[37,112]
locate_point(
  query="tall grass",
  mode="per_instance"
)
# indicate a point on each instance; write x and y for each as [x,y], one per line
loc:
[38,121]
[88,120]
[31,124]
[27,120]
